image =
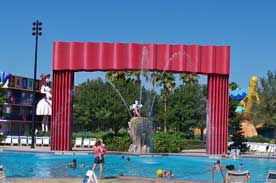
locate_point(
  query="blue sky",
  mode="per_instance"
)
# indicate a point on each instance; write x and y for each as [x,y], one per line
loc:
[248,26]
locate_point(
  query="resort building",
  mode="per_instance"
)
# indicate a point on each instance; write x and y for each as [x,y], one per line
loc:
[16,111]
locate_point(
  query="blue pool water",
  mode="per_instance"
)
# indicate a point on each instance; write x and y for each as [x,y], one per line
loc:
[25,164]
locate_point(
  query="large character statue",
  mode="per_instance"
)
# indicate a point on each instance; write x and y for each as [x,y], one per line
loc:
[44,106]
[248,100]
[136,108]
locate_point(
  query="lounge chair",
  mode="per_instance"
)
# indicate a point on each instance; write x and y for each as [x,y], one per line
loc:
[46,141]
[271,149]
[86,142]
[271,177]
[38,141]
[252,146]
[15,140]
[262,148]
[78,142]
[29,141]
[23,140]
[8,140]
[92,142]
[237,176]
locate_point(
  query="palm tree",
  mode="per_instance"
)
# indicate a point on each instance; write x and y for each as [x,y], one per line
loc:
[167,82]
[115,75]
[136,76]
[189,78]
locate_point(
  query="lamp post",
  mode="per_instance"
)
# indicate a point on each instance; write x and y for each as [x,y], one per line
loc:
[36,32]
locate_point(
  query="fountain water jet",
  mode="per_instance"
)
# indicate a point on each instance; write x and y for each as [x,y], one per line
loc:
[174,55]
[144,58]
[114,87]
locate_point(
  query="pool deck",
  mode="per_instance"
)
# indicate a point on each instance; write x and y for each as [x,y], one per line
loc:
[122,179]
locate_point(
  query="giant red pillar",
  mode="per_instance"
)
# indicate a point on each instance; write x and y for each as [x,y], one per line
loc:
[61,121]
[218,99]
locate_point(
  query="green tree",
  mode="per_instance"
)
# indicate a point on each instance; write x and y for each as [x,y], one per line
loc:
[136,76]
[265,112]
[115,75]
[98,106]
[232,107]
[235,120]
[102,105]
[3,99]
[186,109]
[233,86]
[192,79]
[202,112]
[3,96]
[167,82]
[189,78]
[237,136]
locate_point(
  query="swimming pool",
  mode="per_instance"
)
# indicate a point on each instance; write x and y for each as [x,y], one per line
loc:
[26,164]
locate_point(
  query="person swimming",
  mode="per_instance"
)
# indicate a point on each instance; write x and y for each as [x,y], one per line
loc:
[169,174]
[82,165]
[159,173]
[217,165]
[73,164]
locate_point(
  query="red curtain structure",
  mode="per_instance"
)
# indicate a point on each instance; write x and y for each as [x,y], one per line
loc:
[70,57]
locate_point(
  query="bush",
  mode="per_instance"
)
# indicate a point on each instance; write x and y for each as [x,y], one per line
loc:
[174,142]
[258,138]
[193,144]
[167,142]
[83,134]
[2,137]
[120,142]
[40,134]
[171,142]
